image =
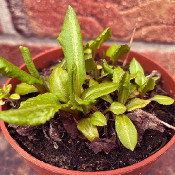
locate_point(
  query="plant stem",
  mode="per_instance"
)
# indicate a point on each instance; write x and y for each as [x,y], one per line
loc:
[167,125]
[96,73]
[41,89]
[94,108]
[105,111]
[130,44]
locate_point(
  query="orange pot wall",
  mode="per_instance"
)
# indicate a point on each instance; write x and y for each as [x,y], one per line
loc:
[42,60]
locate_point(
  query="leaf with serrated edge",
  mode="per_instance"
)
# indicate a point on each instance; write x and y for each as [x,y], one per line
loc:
[161,99]
[71,41]
[98,119]
[8,69]
[34,111]
[105,97]
[29,62]
[118,75]
[126,131]
[112,49]
[124,89]
[58,82]
[42,99]
[147,86]
[140,78]
[137,103]
[34,115]
[117,108]
[87,129]
[119,52]
[23,89]
[104,36]
[135,66]
[98,90]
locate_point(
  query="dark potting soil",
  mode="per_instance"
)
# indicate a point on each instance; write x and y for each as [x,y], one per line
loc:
[75,154]
[58,142]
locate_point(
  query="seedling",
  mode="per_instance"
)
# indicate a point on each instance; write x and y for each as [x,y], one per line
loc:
[78,83]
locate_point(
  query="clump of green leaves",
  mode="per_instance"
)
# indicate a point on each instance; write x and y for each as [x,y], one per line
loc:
[78,82]
[6,96]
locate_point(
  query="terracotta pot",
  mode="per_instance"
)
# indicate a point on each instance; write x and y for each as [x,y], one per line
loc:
[42,60]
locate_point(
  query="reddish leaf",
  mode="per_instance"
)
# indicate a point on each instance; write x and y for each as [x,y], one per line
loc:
[103,144]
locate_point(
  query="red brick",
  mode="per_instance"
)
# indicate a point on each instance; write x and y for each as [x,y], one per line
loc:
[45,18]
[0,27]
[19,17]
[167,60]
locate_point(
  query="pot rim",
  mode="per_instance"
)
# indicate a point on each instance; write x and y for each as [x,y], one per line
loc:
[55,169]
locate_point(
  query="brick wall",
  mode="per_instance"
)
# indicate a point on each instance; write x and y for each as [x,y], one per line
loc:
[37,23]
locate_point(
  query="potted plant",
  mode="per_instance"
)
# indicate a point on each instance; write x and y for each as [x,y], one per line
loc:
[105,106]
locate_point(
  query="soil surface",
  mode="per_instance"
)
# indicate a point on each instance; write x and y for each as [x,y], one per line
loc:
[75,154]
[59,143]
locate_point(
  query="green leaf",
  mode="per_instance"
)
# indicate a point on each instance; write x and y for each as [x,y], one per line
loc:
[98,119]
[87,129]
[147,86]
[90,65]
[132,90]
[15,96]
[34,111]
[82,102]
[135,66]
[136,103]
[107,98]
[76,107]
[7,88]
[34,115]
[71,41]
[8,69]
[155,78]
[29,62]
[107,67]
[58,82]
[5,91]
[92,82]
[60,65]
[118,75]
[124,89]
[161,99]
[42,99]
[23,89]
[111,50]
[98,90]
[117,108]
[94,45]
[119,52]
[126,131]
[140,78]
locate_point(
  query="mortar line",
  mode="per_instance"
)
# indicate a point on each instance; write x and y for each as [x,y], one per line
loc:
[137,45]
[6,20]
